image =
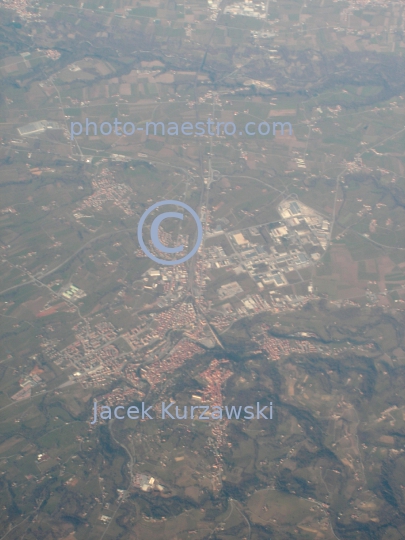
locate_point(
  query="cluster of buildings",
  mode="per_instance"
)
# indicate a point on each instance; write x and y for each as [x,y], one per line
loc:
[179,317]
[73,293]
[22,8]
[159,371]
[312,228]
[106,188]
[175,318]
[132,339]
[255,303]
[82,353]
[356,165]
[229,289]
[52,54]
[222,322]
[118,396]
[251,304]
[248,8]
[269,252]
[213,6]
[172,279]
[276,348]
[146,482]
[29,381]
[94,356]
[8,210]
[216,376]
[102,365]
[35,128]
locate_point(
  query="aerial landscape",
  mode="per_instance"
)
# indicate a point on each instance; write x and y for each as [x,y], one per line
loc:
[232,368]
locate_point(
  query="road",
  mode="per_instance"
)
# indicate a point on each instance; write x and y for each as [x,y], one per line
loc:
[46,274]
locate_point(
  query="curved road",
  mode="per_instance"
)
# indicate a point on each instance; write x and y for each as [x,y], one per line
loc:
[84,246]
